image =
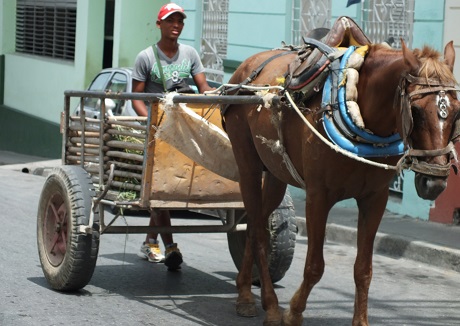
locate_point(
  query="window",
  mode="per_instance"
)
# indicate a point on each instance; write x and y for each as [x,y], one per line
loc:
[46,28]
[114,82]
[98,84]
[118,84]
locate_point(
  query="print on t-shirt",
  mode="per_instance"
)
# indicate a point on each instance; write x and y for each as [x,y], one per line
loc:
[175,72]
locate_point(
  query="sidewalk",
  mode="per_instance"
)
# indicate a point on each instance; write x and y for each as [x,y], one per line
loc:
[400,237]
[26,163]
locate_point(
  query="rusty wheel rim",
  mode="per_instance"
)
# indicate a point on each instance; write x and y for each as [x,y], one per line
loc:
[56,229]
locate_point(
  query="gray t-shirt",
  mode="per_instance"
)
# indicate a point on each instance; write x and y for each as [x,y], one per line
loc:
[186,62]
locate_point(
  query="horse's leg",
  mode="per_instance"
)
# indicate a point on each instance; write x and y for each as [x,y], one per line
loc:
[250,185]
[316,212]
[245,304]
[250,170]
[272,194]
[371,210]
[256,248]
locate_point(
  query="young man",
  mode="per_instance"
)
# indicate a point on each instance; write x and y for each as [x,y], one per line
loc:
[178,61]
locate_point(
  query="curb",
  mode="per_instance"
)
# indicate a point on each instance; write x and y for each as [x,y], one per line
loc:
[41,168]
[394,246]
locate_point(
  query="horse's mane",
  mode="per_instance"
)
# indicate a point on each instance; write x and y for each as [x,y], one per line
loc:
[432,66]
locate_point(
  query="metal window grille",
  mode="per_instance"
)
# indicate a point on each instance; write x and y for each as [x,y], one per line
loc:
[308,15]
[214,38]
[46,28]
[384,19]
[381,19]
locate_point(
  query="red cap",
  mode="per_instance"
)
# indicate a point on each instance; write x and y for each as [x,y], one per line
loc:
[169,9]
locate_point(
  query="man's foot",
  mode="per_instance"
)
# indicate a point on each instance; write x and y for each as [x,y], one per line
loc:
[173,257]
[151,252]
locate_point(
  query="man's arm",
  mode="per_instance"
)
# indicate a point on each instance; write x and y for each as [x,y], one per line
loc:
[201,83]
[139,105]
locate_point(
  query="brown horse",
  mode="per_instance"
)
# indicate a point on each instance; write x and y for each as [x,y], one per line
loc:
[400,91]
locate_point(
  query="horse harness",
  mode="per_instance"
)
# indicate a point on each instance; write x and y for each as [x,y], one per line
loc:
[315,60]
[237,89]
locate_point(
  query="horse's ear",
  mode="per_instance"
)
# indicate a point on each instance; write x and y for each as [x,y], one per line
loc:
[409,58]
[449,55]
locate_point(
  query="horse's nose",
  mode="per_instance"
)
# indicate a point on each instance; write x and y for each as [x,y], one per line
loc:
[429,187]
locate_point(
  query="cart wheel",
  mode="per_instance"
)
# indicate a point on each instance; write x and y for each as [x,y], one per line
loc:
[68,258]
[282,229]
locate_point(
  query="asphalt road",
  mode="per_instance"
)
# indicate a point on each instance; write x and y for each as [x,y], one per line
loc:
[126,290]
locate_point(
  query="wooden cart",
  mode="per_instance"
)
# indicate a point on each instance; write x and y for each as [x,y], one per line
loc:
[116,162]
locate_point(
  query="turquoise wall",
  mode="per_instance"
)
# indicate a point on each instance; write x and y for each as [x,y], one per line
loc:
[253,28]
[191,34]
[339,8]
[429,24]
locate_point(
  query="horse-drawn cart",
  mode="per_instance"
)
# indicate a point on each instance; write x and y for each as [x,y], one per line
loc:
[119,162]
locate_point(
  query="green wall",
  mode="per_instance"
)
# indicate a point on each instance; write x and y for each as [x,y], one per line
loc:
[24,133]
[7,31]
[34,86]
[134,29]
[7,26]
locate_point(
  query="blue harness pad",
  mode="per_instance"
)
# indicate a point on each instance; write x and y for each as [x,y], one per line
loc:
[373,145]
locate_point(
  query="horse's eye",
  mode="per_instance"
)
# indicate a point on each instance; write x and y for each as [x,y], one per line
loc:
[416,109]
[418,115]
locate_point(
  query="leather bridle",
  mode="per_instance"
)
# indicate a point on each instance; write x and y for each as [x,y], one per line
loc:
[410,158]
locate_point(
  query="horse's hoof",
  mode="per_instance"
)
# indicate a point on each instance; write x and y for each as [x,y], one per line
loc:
[246,309]
[272,323]
[292,319]
[275,319]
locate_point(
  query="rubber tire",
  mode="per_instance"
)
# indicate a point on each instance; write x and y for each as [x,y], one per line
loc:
[70,189]
[283,230]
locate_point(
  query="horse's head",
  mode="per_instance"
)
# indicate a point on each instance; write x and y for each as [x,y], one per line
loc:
[429,117]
